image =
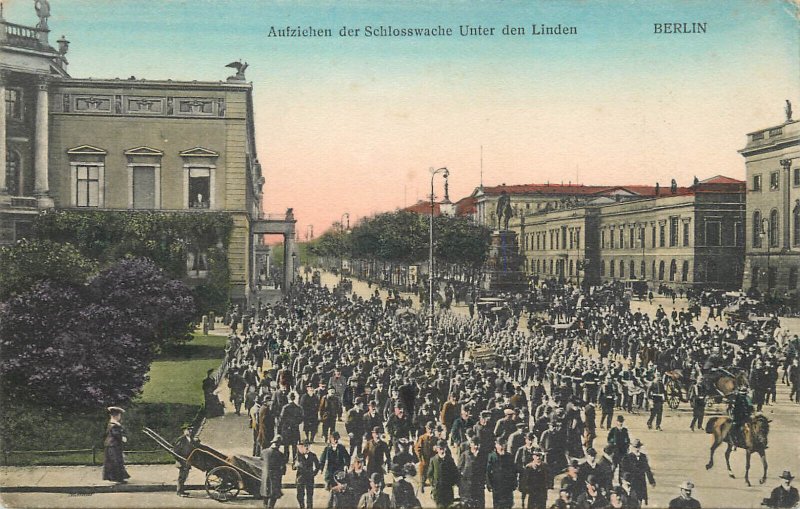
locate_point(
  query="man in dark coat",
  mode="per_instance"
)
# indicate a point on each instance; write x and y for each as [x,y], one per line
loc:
[685,500]
[619,438]
[501,476]
[184,446]
[636,465]
[534,478]
[354,425]
[591,498]
[403,496]
[376,453]
[471,489]
[334,458]
[113,462]
[307,466]
[330,409]
[443,474]
[272,474]
[784,495]
[309,402]
[289,424]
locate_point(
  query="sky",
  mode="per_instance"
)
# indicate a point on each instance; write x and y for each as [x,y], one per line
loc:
[353,124]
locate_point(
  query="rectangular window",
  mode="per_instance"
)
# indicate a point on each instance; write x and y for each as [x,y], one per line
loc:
[653,238]
[713,233]
[612,239]
[603,239]
[13,103]
[621,238]
[199,188]
[87,186]
[662,230]
[144,187]
[631,240]
[572,239]
[577,238]
[685,234]
[774,180]
[756,182]
[796,176]
[673,231]
[738,234]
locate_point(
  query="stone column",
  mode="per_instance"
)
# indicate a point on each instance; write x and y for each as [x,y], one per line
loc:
[288,266]
[3,185]
[41,186]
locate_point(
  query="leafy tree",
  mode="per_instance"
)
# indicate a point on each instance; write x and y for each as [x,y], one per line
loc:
[90,345]
[160,308]
[30,261]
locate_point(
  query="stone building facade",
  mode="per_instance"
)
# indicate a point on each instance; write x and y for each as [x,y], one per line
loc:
[127,144]
[681,237]
[772,162]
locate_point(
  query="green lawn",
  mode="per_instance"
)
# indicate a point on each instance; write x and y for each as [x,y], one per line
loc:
[177,376]
[171,397]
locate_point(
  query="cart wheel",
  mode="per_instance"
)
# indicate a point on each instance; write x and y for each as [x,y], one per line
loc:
[223,483]
[673,394]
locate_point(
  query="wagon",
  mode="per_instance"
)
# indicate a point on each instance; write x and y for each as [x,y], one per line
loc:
[226,476]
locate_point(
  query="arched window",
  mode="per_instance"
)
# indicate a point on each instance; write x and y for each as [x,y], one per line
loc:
[643,270]
[685,273]
[757,228]
[661,270]
[551,266]
[602,267]
[632,267]
[773,228]
[796,223]
[673,269]
[571,267]
[622,269]
[653,269]
[611,268]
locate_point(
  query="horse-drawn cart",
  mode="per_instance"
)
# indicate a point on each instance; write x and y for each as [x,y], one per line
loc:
[226,475]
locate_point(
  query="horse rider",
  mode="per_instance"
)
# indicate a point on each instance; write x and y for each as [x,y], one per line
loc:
[741,413]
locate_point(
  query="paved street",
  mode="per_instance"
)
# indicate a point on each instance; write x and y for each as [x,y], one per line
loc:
[676,454]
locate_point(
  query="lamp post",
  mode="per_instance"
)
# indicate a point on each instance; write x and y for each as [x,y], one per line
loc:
[342,229]
[445,173]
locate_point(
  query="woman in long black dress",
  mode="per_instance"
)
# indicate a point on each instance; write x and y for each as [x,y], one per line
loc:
[113,463]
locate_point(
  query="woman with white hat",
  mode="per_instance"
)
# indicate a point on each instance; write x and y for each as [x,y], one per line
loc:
[113,462]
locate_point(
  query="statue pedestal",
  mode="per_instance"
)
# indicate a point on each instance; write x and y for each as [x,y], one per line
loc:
[504,266]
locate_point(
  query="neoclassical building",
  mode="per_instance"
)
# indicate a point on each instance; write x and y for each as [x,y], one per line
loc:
[772,162]
[127,144]
[678,236]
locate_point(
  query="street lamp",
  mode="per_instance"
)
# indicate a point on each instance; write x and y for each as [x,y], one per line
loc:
[342,229]
[445,173]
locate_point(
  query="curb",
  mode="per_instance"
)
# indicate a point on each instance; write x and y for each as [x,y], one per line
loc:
[88,490]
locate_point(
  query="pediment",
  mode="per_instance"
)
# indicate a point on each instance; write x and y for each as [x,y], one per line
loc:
[87,150]
[199,152]
[143,151]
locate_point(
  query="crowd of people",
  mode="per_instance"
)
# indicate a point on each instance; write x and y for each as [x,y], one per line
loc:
[422,406]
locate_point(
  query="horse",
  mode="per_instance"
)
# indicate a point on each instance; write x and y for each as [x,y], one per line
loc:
[727,384]
[752,440]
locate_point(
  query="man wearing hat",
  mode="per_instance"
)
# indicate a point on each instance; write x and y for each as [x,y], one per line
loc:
[591,497]
[471,488]
[485,435]
[685,500]
[113,460]
[272,474]
[184,446]
[289,424]
[443,474]
[636,465]
[354,425]
[403,496]
[330,409]
[309,402]
[630,498]
[619,438]
[375,498]
[507,425]
[376,453]
[534,477]
[784,495]
[423,448]
[570,481]
[501,476]
[307,465]
[334,458]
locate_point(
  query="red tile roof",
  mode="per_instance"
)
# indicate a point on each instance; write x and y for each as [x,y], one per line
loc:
[424,207]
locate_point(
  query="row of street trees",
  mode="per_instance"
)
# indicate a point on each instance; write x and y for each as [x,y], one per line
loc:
[392,240]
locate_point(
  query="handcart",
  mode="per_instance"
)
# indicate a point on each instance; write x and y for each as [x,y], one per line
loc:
[226,475]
